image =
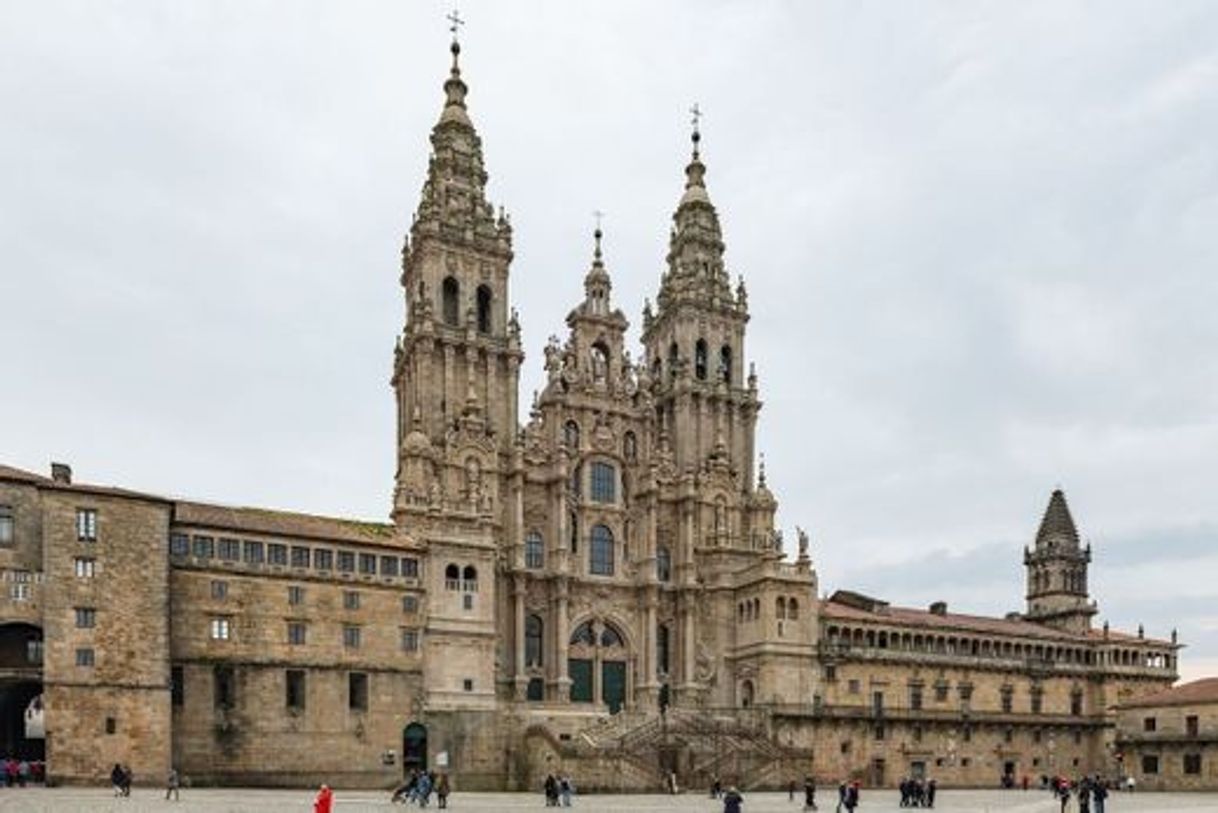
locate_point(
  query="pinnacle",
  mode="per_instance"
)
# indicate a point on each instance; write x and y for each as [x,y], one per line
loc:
[1057,522]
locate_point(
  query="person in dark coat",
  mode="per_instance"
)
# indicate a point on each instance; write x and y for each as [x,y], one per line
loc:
[733,802]
[809,793]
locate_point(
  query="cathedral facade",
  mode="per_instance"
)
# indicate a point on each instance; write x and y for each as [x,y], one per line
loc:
[595,587]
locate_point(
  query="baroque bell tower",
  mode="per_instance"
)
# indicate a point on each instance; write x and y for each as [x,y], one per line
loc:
[1056,568]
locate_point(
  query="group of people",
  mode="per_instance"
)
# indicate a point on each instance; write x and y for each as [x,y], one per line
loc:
[419,786]
[19,772]
[917,793]
[558,790]
[120,779]
[1088,790]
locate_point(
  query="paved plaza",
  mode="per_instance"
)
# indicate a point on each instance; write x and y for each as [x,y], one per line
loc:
[61,800]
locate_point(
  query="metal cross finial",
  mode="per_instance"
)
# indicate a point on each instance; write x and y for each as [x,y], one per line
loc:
[696,112]
[599,215]
[455,22]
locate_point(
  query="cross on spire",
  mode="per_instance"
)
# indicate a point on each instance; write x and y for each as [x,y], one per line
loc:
[599,215]
[455,22]
[696,121]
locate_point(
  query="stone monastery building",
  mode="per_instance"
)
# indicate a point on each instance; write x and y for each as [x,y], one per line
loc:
[595,587]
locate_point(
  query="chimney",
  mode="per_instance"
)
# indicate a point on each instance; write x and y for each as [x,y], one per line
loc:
[61,473]
[938,608]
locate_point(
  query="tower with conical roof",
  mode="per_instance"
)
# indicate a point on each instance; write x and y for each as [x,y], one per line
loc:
[1056,565]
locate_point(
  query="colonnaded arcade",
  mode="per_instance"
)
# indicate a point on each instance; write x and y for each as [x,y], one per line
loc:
[595,587]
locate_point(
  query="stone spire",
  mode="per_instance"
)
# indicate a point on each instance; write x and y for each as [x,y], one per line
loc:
[695,247]
[1057,526]
[596,283]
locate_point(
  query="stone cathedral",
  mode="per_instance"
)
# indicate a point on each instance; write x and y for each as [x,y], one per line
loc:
[595,587]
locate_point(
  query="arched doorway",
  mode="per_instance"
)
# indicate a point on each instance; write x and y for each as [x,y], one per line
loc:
[21,720]
[596,663]
[414,748]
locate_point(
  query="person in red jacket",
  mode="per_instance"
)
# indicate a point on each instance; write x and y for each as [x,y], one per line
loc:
[324,801]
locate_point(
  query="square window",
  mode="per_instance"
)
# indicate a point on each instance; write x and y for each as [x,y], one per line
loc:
[346,561]
[351,637]
[86,524]
[219,589]
[85,567]
[296,595]
[389,565]
[941,692]
[204,547]
[1150,764]
[6,525]
[84,657]
[230,549]
[367,564]
[1192,764]
[294,689]
[350,600]
[111,725]
[830,672]
[19,591]
[467,601]
[179,544]
[410,604]
[276,553]
[297,632]
[323,559]
[467,684]
[255,553]
[357,691]
[852,686]
[219,629]
[300,556]
[410,640]
[86,617]
[410,567]
[1149,724]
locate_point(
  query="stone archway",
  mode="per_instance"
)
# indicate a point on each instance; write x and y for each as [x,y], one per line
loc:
[597,662]
[21,716]
[414,748]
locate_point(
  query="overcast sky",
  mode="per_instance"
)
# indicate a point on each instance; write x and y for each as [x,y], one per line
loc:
[980,242]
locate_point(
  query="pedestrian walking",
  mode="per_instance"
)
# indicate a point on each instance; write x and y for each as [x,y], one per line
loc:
[733,802]
[172,782]
[324,803]
[442,790]
[809,793]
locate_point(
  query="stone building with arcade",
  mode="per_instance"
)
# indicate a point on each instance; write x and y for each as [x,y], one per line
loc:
[596,586]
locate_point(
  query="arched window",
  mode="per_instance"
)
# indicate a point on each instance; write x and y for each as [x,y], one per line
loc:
[584,634]
[725,363]
[601,554]
[780,608]
[570,435]
[452,577]
[756,608]
[630,447]
[534,551]
[484,309]
[533,629]
[470,578]
[610,637]
[793,609]
[600,362]
[662,650]
[604,483]
[673,354]
[700,359]
[451,305]
[656,370]
[574,522]
[663,564]
[746,694]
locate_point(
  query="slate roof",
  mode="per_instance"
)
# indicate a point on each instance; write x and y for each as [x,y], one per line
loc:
[281,523]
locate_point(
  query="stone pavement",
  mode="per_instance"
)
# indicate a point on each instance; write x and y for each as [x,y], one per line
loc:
[236,800]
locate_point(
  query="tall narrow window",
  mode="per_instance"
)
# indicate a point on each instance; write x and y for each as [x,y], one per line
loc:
[674,354]
[294,686]
[357,691]
[573,520]
[630,447]
[700,359]
[663,564]
[469,579]
[533,629]
[662,650]
[534,551]
[224,687]
[604,483]
[177,687]
[86,524]
[451,294]
[725,363]
[6,525]
[601,558]
[484,309]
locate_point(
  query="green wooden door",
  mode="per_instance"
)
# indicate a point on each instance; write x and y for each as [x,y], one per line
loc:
[613,684]
[580,671]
